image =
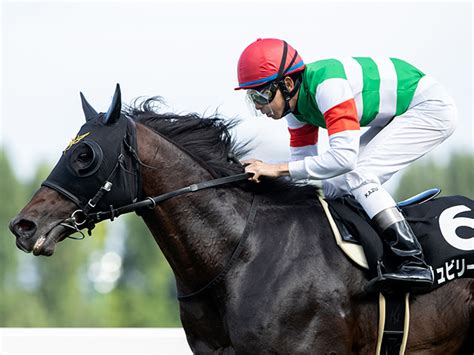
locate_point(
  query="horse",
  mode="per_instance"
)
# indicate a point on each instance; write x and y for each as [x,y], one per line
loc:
[256,267]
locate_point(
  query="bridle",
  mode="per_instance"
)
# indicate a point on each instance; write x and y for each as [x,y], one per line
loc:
[86,218]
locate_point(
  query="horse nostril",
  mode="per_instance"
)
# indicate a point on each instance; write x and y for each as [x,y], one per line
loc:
[23,228]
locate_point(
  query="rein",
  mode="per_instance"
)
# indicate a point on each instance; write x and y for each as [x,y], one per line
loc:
[81,218]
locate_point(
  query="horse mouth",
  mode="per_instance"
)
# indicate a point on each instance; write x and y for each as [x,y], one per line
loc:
[37,248]
[46,243]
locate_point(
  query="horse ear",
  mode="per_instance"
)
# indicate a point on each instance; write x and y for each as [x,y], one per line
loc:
[89,111]
[115,109]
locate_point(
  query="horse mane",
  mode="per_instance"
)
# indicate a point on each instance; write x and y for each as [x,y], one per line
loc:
[206,139]
[209,141]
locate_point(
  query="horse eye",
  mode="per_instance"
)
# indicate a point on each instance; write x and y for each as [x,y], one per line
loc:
[84,157]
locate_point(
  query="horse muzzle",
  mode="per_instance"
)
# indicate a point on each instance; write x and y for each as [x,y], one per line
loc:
[25,231]
[23,228]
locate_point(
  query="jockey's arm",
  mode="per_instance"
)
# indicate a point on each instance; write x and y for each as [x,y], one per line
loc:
[340,114]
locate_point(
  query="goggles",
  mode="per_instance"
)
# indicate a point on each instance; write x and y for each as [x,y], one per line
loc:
[263,96]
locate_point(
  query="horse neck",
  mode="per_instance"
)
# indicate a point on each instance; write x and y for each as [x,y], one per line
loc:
[198,231]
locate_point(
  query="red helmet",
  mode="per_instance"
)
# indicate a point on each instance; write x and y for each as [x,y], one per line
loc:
[265,60]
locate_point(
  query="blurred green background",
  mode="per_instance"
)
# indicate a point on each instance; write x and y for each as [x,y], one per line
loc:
[119,277]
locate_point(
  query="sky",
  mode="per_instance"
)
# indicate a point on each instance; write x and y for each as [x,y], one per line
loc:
[187,52]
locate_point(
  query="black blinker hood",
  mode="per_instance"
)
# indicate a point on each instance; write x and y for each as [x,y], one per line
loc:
[103,149]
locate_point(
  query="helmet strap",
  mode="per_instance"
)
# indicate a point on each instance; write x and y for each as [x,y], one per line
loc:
[282,70]
[288,95]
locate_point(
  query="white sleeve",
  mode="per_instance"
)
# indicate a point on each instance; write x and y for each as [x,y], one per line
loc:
[340,158]
[299,153]
[303,138]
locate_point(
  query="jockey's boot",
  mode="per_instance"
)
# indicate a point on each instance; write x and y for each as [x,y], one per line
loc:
[405,269]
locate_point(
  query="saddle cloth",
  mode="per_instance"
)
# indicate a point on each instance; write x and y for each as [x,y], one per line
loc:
[444,227]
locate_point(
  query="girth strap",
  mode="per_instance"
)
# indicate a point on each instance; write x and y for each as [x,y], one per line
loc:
[394,323]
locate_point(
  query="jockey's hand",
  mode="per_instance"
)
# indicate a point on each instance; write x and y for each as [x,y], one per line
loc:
[258,168]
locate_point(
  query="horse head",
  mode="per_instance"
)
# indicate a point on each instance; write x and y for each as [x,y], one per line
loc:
[95,171]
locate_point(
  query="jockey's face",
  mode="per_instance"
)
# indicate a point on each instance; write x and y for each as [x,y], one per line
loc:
[276,107]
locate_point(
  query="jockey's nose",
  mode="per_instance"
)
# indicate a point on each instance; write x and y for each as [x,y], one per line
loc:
[22,228]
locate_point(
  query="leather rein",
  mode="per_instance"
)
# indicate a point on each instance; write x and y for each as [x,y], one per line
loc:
[82,218]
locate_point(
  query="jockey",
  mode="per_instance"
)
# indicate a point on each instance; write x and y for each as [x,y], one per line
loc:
[408,113]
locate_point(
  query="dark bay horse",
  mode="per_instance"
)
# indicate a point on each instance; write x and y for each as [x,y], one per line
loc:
[288,288]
